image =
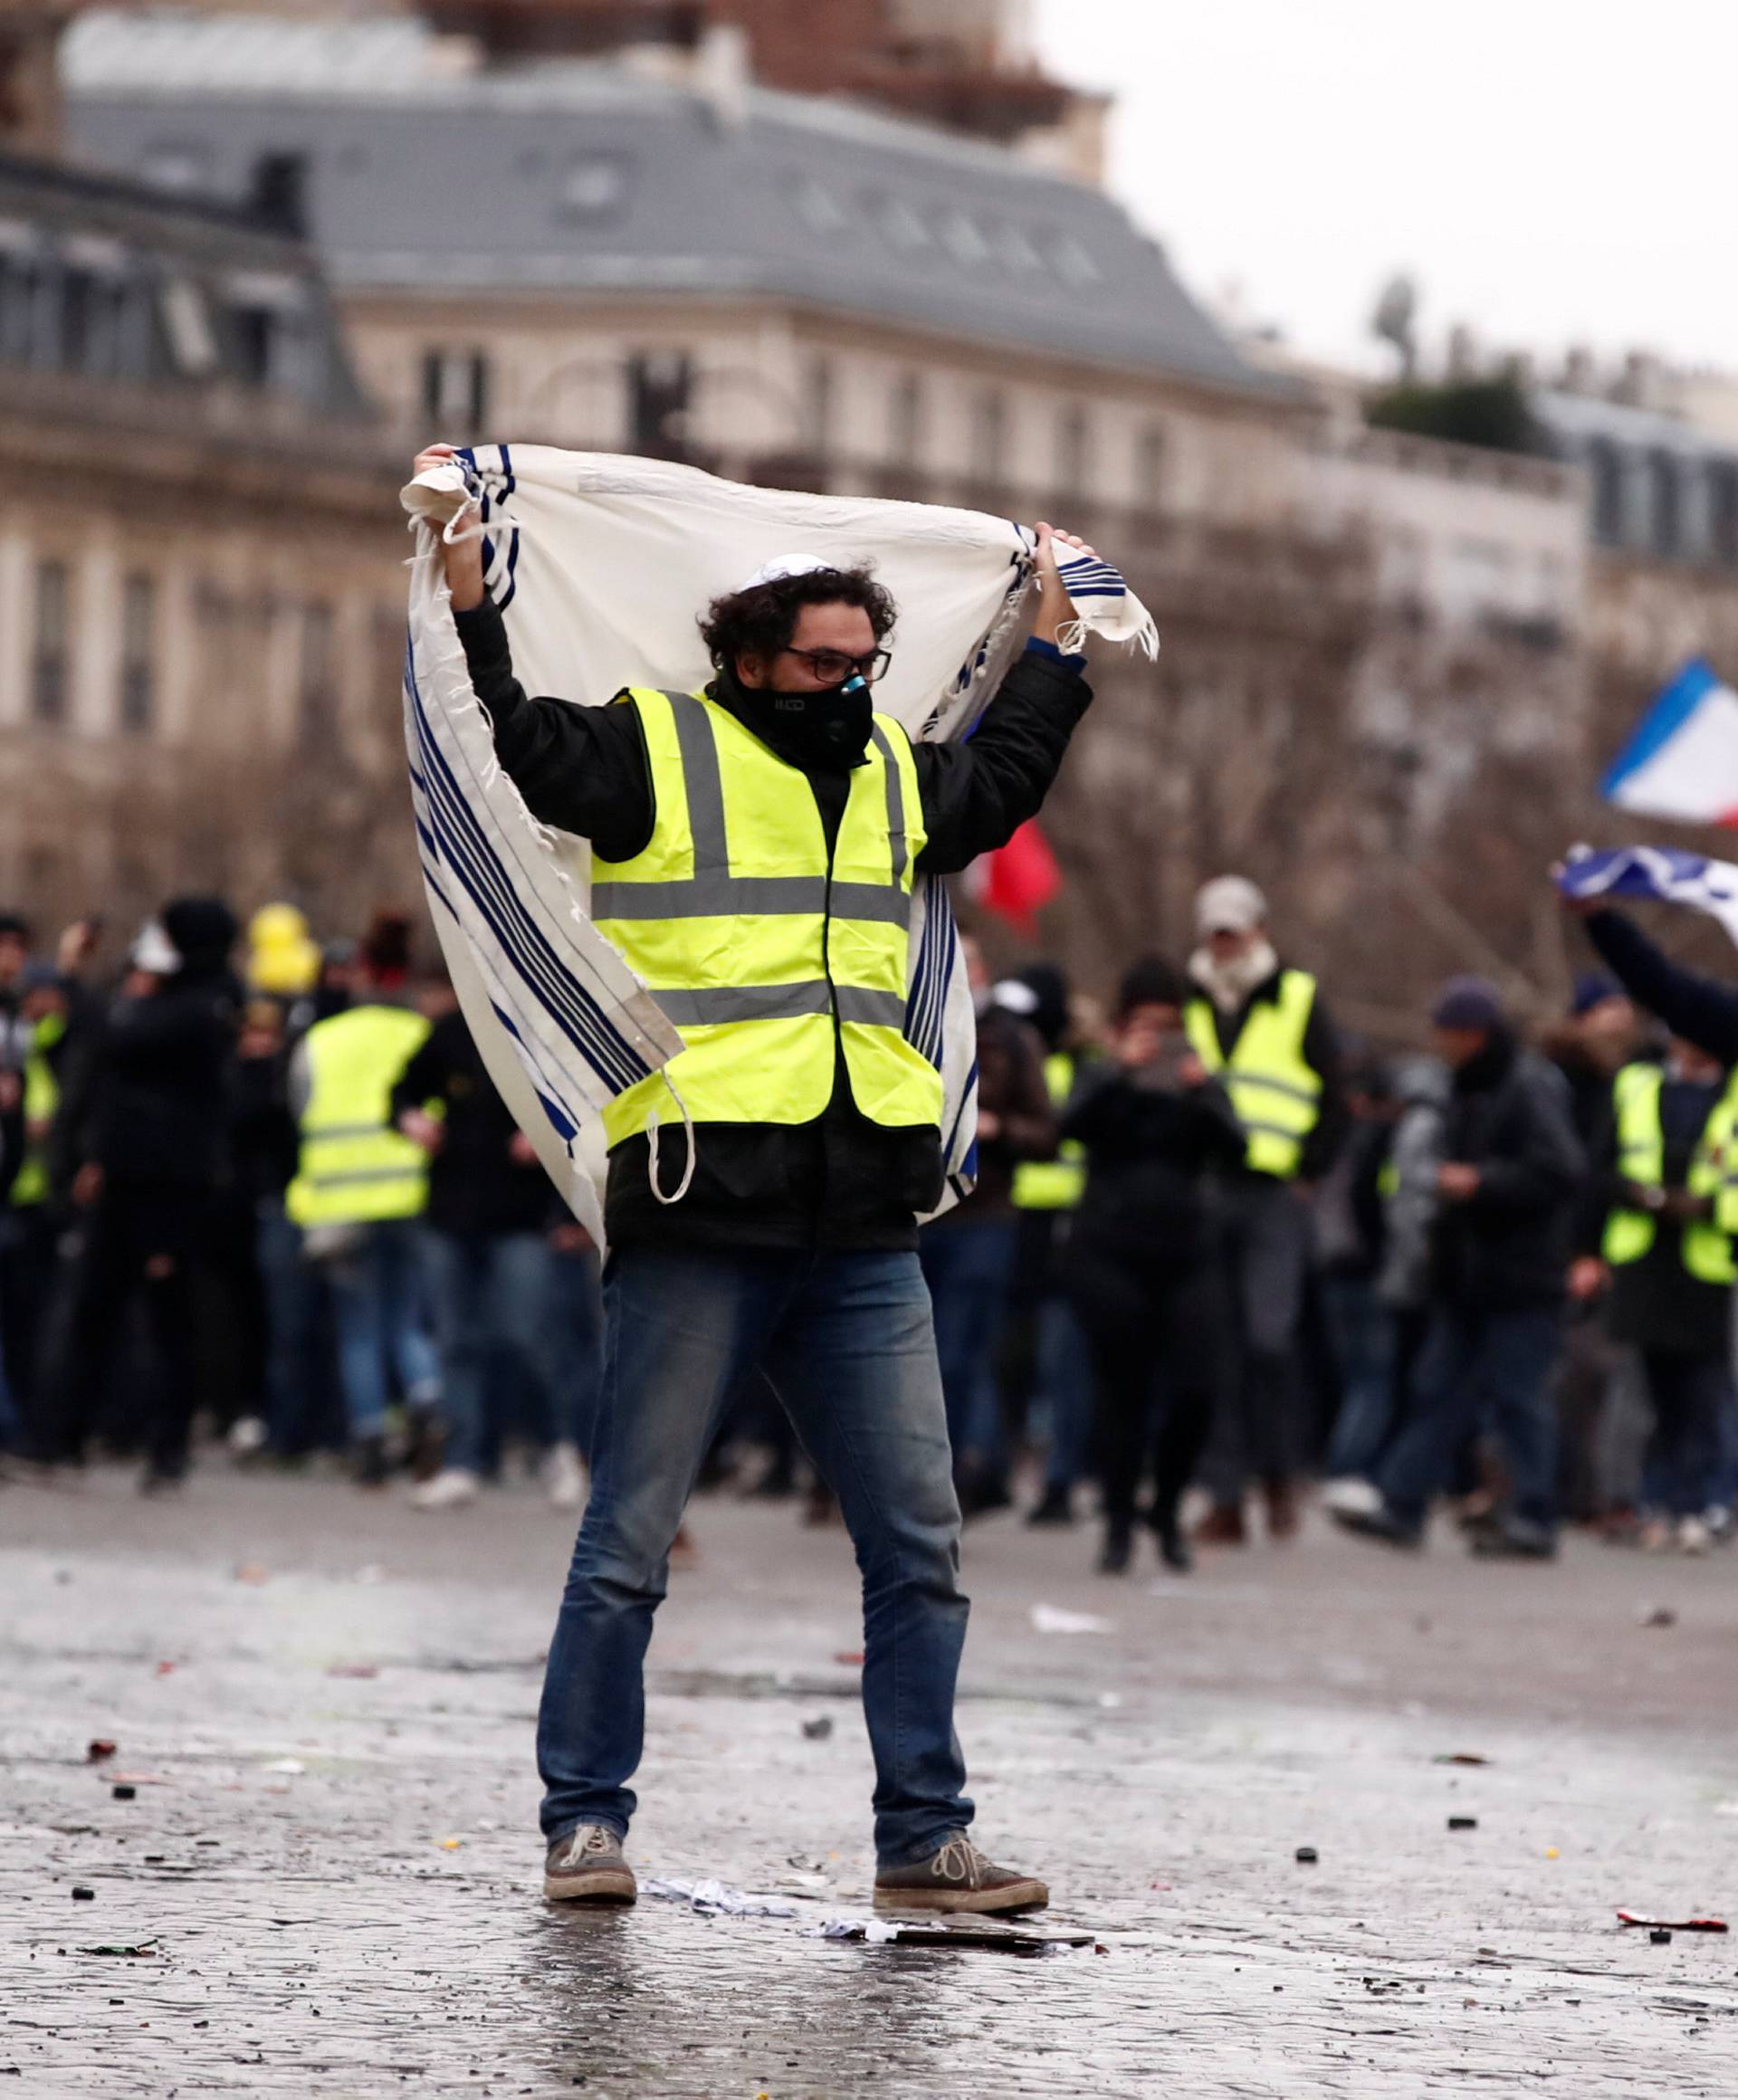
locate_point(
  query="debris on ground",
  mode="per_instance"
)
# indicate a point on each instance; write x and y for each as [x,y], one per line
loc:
[851,1657]
[1009,1939]
[1053,1618]
[1660,1936]
[97,1749]
[1462,1822]
[127,1790]
[1459,1757]
[293,1766]
[82,1894]
[819,1727]
[1656,1615]
[1306,1856]
[1674,1924]
[139,1949]
[254,1572]
[719,1898]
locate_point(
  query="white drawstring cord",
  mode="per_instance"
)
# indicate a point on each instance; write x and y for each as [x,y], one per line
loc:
[652,1145]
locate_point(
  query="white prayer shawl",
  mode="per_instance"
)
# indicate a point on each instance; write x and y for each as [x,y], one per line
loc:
[601,566]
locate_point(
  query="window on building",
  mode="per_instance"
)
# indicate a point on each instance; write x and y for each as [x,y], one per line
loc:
[51,670]
[905,420]
[1605,471]
[1723,512]
[817,406]
[1074,450]
[19,292]
[660,392]
[592,187]
[1665,505]
[186,323]
[1150,464]
[317,720]
[455,391]
[990,435]
[138,652]
[81,321]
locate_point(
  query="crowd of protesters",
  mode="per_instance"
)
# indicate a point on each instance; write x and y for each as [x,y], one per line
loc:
[1214,1244]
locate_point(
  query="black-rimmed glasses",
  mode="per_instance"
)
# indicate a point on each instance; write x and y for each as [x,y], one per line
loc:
[834,667]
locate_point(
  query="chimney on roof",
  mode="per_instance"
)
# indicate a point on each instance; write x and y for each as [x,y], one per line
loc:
[30,82]
[278,193]
[723,74]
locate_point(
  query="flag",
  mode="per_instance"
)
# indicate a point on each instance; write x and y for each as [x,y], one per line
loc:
[1658,872]
[1682,761]
[1020,878]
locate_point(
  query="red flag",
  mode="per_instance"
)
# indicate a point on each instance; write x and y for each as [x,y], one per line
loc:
[1023,876]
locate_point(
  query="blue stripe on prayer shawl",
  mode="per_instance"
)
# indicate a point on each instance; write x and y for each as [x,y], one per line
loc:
[1672,706]
[466,849]
[561,1122]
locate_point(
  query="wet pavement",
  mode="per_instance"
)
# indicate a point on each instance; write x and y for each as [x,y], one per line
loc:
[324,1704]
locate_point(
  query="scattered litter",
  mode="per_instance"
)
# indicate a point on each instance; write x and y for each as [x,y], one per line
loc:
[1307,1855]
[293,1766]
[127,1791]
[1674,1924]
[714,1898]
[145,1948]
[97,1749]
[804,1885]
[1462,1822]
[451,1844]
[1459,1757]
[819,1727]
[165,1669]
[852,1657]
[976,1933]
[1656,1615]
[354,1670]
[1110,1700]
[82,1894]
[1660,1936]
[1552,1852]
[1053,1618]
[253,1572]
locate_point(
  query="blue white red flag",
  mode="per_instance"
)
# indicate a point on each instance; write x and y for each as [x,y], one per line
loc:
[1682,761]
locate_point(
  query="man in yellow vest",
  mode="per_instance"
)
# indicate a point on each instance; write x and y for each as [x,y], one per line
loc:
[30,1224]
[754,846]
[361,1189]
[1666,1262]
[1263,1029]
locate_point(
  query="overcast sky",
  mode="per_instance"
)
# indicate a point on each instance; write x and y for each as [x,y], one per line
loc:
[1551,172]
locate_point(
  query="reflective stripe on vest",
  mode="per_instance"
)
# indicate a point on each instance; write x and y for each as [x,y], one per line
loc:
[1274,1091]
[356,1169]
[757,950]
[42,1100]
[1054,1184]
[1705,1246]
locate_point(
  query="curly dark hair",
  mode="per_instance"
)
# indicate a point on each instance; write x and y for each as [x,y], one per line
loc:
[761,621]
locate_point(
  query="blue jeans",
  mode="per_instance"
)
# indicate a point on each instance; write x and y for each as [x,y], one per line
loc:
[1475,1368]
[1365,1333]
[1065,1385]
[579,1334]
[969,1268]
[492,1292]
[846,1341]
[378,1308]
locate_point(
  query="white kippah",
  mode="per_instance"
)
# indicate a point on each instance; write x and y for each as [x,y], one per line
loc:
[782,566]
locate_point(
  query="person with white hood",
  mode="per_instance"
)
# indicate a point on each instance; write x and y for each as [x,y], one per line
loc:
[1261,1026]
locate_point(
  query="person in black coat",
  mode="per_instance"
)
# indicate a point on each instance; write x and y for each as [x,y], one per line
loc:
[144,1142]
[1145,1264]
[1511,1172]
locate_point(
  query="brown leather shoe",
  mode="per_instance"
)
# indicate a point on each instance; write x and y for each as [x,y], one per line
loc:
[1283,1519]
[958,1877]
[587,1866]
[1223,1526]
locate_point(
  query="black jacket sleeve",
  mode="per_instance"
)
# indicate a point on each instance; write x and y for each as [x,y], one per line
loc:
[426,1076]
[583,769]
[977,794]
[1696,1007]
[1541,1163]
[1333,1120]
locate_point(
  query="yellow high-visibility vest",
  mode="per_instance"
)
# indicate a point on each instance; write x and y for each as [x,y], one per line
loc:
[759,953]
[1276,1092]
[1054,1184]
[42,1100]
[1706,1243]
[356,1169]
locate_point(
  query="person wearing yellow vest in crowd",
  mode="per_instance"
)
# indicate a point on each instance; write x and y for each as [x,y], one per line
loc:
[1262,1029]
[359,1194]
[754,846]
[1654,1246]
[30,1086]
[1056,1388]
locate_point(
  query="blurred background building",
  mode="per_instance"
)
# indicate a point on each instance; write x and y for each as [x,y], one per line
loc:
[252,254]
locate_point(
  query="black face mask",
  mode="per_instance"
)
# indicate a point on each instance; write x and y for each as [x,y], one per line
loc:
[825,729]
